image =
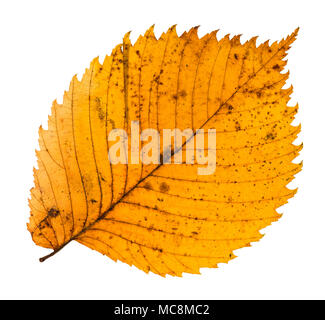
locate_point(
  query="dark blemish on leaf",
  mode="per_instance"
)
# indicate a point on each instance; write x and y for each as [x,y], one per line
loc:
[164,187]
[183,93]
[230,108]
[276,67]
[156,79]
[270,136]
[53,212]
[111,121]
[93,200]
[236,56]
[147,185]
[180,94]
[101,113]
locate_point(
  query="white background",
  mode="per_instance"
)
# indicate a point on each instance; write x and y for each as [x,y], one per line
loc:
[44,43]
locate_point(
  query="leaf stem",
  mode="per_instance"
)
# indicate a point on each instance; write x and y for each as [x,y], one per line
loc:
[53,252]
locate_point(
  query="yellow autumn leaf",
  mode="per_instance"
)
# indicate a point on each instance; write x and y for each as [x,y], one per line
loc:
[165,217]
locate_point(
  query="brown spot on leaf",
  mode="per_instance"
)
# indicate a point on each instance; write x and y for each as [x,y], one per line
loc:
[180,94]
[270,136]
[148,185]
[164,187]
[53,212]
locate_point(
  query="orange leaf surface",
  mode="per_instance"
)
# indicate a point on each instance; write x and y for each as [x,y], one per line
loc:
[166,218]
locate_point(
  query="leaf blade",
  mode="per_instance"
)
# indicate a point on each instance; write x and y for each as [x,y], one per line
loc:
[241,98]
